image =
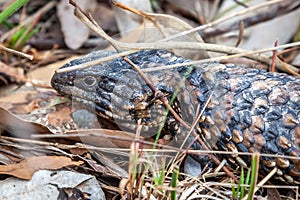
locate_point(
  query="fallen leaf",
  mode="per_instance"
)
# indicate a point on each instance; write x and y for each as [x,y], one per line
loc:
[107,138]
[162,27]
[19,127]
[26,168]
[262,35]
[128,21]
[46,184]
[75,33]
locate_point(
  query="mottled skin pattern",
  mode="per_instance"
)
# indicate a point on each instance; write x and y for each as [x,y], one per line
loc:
[249,110]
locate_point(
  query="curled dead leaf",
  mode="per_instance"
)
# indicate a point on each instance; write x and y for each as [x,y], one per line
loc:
[26,168]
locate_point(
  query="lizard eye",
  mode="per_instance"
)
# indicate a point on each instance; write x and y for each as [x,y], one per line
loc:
[89,81]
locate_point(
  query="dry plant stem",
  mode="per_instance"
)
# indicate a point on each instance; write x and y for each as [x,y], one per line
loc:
[189,45]
[274,56]
[9,152]
[167,149]
[135,11]
[262,182]
[29,19]
[241,33]
[200,46]
[18,53]
[240,13]
[282,7]
[88,134]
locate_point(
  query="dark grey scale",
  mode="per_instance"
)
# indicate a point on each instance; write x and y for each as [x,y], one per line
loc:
[294,105]
[115,67]
[225,75]
[270,148]
[107,85]
[247,96]
[242,104]
[138,95]
[242,148]
[202,100]
[243,86]
[195,78]
[273,114]
[271,131]
[221,146]
[245,118]
[252,72]
[104,99]
[235,119]
[260,92]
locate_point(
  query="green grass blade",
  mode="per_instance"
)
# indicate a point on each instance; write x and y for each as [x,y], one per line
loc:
[242,181]
[174,182]
[254,175]
[11,9]
[234,191]
[15,37]
[25,38]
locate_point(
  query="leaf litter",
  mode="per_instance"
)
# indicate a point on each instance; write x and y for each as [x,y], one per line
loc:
[64,113]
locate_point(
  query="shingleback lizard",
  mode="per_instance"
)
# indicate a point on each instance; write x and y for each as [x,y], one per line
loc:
[248,110]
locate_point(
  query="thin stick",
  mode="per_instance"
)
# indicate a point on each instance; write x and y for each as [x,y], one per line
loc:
[186,45]
[18,53]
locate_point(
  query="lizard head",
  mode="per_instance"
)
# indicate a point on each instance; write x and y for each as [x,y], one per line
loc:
[115,91]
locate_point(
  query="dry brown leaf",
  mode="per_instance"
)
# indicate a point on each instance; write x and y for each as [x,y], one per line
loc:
[19,127]
[26,102]
[32,112]
[168,25]
[158,27]
[26,168]
[107,138]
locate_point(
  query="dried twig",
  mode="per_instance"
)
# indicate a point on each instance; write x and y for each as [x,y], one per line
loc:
[275,9]
[188,45]
[18,53]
